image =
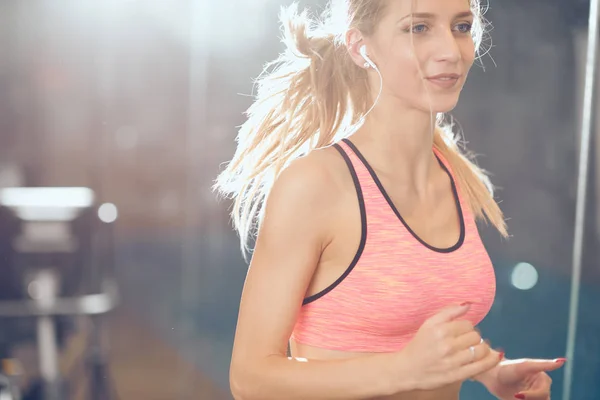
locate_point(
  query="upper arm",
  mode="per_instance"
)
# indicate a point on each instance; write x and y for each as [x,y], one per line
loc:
[292,235]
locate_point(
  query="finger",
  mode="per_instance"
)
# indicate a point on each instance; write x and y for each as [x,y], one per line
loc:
[466,340]
[454,329]
[477,367]
[540,394]
[531,366]
[460,327]
[468,356]
[450,313]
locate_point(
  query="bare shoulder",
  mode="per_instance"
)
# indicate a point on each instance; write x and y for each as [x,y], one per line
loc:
[316,179]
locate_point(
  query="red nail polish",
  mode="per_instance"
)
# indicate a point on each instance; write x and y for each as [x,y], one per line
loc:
[501,355]
[559,360]
[519,396]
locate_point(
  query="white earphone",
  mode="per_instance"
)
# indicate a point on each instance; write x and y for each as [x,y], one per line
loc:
[369,62]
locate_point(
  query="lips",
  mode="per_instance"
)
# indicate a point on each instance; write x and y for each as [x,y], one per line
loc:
[444,77]
[444,80]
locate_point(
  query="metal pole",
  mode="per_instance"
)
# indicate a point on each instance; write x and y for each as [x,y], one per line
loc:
[47,283]
[584,150]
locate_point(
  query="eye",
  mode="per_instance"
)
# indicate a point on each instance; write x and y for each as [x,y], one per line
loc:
[420,28]
[464,27]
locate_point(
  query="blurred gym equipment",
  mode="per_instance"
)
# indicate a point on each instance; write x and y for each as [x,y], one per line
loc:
[57,263]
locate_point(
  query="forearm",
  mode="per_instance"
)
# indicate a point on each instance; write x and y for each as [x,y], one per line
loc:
[356,378]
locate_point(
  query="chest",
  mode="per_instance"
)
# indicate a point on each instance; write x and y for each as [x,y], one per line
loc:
[435,219]
[395,292]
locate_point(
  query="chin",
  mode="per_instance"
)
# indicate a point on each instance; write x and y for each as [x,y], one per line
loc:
[441,105]
[447,109]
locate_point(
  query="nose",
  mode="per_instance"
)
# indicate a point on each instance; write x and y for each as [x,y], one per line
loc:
[447,47]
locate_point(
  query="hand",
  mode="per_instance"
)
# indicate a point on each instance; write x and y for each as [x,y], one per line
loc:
[447,350]
[522,379]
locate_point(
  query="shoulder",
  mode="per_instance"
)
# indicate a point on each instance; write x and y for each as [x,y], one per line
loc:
[315,177]
[308,192]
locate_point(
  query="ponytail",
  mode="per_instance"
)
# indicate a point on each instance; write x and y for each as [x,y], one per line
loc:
[305,99]
[300,106]
[474,182]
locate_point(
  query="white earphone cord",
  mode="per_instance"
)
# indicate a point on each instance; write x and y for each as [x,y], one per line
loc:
[372,64]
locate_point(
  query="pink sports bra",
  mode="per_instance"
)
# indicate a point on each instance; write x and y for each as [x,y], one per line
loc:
[396,280]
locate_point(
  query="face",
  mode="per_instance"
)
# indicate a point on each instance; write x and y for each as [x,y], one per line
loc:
[424,50]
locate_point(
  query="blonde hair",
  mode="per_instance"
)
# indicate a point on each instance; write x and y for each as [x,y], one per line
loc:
[312,94]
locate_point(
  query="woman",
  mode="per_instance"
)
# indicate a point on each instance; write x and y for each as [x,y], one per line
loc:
[367,259]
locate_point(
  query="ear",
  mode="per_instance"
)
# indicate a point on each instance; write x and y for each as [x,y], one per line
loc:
[354,40]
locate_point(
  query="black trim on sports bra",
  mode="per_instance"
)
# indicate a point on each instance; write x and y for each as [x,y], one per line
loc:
[461,238]
[363,233]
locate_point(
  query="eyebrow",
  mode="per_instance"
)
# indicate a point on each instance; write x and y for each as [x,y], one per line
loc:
[463,14]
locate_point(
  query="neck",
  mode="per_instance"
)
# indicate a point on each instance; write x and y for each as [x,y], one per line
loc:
[399,143]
